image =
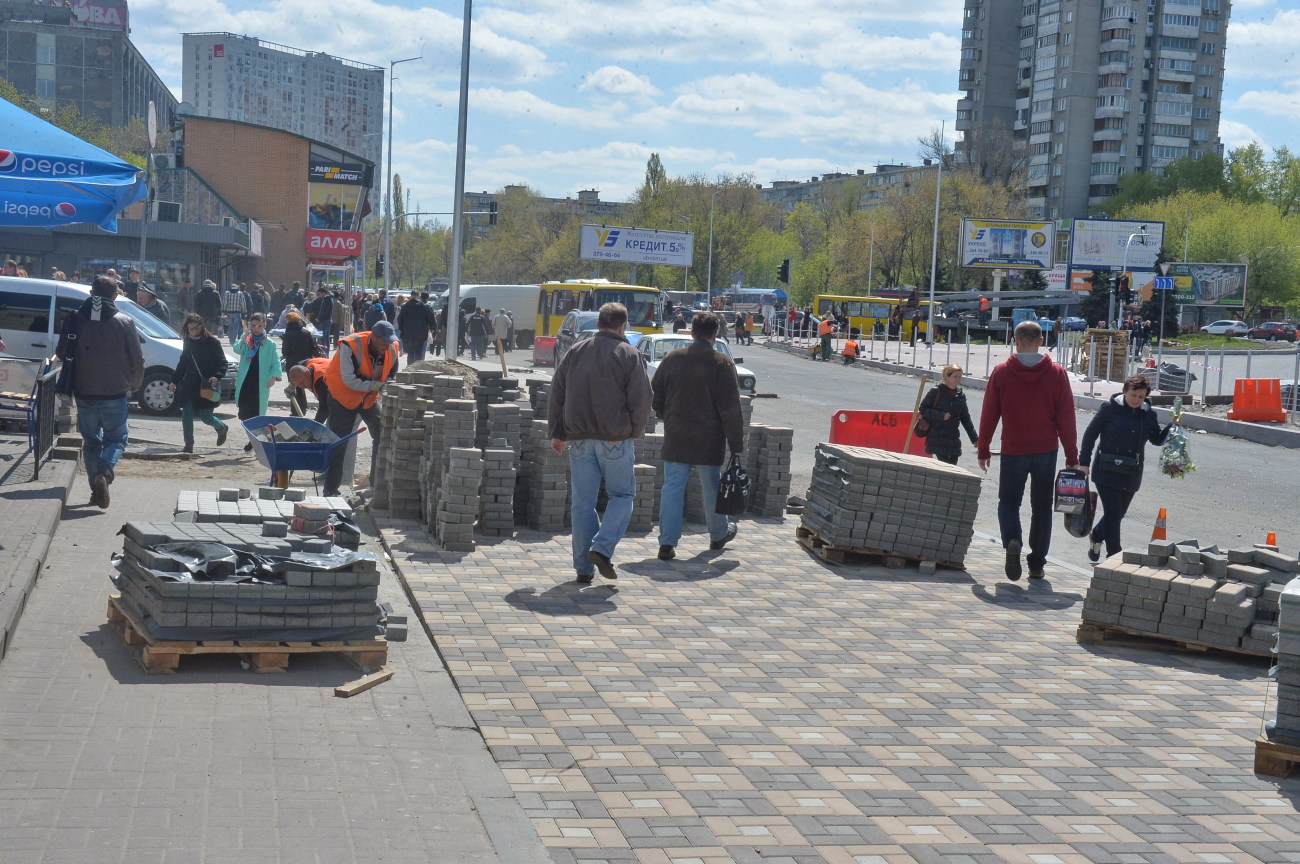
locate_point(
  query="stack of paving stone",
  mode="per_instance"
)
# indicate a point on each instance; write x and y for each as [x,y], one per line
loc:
[493,388]
[539,394]
[1180,591]
[548,490]
[237,506]
[504,421]
[648,450]
[524,464]
[320,593]
[458,499]
[892,503]
[1286,724]
[767,459]
[454,428]
[645,510]
[496,514]
[402,448]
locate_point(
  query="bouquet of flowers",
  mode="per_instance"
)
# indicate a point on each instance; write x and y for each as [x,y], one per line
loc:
[1174,461]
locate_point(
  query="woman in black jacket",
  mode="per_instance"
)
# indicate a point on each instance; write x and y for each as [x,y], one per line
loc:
[945,408]
[298,346]
[202,365]
[1120,431]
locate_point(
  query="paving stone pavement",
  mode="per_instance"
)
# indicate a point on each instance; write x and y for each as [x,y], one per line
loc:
[756,704]
[101,763]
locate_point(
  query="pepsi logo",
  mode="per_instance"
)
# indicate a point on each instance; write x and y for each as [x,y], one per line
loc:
[65,210]
[7,160]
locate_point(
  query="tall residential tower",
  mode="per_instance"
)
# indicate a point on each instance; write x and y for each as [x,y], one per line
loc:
[1092,88]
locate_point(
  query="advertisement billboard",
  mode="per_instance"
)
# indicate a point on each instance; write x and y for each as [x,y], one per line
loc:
[1208,284]
[333,245]
[109,14]
[636,245]
[989,243]
[1099,244]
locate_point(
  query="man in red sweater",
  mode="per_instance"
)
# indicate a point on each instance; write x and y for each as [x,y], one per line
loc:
[1031,396]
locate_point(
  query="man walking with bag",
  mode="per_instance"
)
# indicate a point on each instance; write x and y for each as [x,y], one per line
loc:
[698,397]
[599,402]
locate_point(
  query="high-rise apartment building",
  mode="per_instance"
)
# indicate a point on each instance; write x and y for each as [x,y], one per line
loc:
[80,54]
[328,99]
[1093,89]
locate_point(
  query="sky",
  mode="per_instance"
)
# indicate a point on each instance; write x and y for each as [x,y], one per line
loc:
[567,95]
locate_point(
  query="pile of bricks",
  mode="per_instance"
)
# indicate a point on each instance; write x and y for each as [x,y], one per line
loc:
[1180,591]
[237,506]
[645,508]
[458,499]
[548,487]
[767,460]
[1287,721]
[492,389]
[312,598]
[496,514]
[892,503]
[402,447]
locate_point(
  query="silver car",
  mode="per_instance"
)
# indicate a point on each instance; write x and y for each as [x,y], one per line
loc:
[654,347]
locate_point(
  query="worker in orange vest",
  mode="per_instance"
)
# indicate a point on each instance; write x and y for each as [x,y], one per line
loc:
[826,329]
[311,377]
[985,308]
[358,371]
[850,352]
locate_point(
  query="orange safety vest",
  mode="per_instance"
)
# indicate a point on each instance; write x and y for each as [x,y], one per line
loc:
[825,328]
[360,344]
[318,369]
[850,348]
[984,304]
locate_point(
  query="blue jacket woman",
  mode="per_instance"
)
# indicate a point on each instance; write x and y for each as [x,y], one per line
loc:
[259,369]
[1120,431]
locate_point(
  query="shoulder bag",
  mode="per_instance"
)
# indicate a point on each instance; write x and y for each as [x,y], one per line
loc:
[1116,462]
[212,394]
[63,386]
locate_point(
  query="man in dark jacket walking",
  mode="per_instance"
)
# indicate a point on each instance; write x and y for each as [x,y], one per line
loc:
[207,303]
[415,321]
[698,397]
[108,366]
[599,402]
[145,296]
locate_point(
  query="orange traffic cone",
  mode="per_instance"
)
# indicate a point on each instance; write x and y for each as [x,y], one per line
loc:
[1158,533]
[1271,540]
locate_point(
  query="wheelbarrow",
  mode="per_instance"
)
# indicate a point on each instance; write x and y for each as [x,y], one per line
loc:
[288,456]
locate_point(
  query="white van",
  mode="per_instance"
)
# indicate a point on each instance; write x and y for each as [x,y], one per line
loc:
[32,313]
[520,299]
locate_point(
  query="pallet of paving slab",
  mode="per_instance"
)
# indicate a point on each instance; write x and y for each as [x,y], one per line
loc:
[1275,759]
[1090,633]
[163,656]
[833,553]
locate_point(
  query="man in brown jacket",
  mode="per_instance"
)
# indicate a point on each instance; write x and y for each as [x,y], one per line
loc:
[599,402]
[698,397]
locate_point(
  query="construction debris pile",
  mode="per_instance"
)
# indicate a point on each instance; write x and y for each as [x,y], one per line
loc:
[479,466]
[892,504]
[219,581]
[1180,591]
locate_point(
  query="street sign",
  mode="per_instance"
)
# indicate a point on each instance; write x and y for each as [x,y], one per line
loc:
[1164,283]
[1163,267]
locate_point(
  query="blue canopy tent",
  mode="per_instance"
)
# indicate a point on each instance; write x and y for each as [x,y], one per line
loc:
[49,177]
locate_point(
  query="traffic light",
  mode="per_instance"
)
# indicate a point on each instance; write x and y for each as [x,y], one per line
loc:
[1121,289]
[379,264]
[783,272]
[492,213]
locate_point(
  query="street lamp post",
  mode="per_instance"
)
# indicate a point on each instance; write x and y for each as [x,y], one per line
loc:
[388,171]
[712,201]
[1110,320]
[458,218]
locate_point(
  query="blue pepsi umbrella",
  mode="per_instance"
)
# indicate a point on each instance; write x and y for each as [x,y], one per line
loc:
[49,177]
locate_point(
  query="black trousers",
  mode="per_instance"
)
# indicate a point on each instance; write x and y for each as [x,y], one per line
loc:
[341,422]
[1114,506]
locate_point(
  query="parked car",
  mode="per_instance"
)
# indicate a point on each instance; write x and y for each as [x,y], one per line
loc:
[1226,327]
[654,347]
[578,326]
[1273,331]
[1074,323]
[31,317]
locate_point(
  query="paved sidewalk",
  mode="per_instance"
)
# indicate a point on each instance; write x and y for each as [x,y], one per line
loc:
[756,704]
[101,763]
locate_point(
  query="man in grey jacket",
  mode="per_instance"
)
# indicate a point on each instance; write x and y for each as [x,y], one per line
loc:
[108,366]
[599,402]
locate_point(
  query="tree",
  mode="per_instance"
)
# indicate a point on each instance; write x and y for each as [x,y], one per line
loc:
[1096,306]
[1150,309]
[128,143]
[654,174]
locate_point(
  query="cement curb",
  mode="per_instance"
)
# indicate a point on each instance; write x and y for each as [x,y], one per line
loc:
[24,573]
[1285,435]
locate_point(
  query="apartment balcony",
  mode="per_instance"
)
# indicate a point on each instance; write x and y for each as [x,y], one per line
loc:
[1118,44]
[1109,135]
[1174,76]
[1104,111]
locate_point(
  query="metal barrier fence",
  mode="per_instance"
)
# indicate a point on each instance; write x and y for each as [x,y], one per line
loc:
[43,425]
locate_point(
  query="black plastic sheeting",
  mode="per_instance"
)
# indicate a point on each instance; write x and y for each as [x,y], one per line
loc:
[216,562]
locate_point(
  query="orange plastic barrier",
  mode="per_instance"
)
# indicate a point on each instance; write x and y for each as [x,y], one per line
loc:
[1258,400]
[544,351]
[884,430]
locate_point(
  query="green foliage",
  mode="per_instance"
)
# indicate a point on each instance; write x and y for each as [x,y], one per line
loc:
[1150,309]
[1096,306]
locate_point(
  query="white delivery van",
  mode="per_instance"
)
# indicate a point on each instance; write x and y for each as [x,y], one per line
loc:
[32,313]
[520,299]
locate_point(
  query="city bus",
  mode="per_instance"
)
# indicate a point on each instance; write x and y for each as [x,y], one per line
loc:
[557,299]
[758,302]
[870,315]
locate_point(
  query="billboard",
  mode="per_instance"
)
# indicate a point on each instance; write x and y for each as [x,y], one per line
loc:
[1208,284]
[109,14]
[333,245]
[636,245]
[1099,244]
[987,243]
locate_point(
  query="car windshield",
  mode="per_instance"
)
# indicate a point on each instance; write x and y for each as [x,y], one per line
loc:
[661,347]
[145,321]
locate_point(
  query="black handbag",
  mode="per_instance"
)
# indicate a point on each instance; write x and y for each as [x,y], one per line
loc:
[67,371]
[1116,462]
[733,490]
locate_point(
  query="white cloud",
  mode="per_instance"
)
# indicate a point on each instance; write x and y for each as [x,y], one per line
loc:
[1234,134]
[524,104]
[1264,48]
[617,81]
[1275,103]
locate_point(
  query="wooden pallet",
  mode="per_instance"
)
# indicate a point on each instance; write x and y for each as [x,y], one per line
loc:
[1274,759]
[835,554]
[163,657]
[1124,637]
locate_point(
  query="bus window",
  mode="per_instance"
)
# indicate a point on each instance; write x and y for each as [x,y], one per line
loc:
[855,308]
[824,307]
[564,302]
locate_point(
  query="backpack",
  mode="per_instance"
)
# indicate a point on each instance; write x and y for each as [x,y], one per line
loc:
[341,315]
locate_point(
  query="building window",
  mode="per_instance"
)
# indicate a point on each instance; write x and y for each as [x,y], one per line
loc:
[1204,91]
[1202,113]
[1200,134]
[1210,25]
[1181,20]
[1209,48]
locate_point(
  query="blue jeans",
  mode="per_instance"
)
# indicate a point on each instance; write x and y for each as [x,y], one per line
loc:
[102,424]
[589,462]
[477,347]
[672,498]
[1040,470]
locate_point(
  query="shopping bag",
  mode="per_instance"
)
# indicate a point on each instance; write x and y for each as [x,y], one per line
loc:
[1080,524]
[733,490]
[1071,491]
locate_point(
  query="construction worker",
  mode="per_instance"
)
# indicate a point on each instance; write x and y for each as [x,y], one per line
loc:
[986,310]
[850,352]
[358,371]
[311,376]
[825,330]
